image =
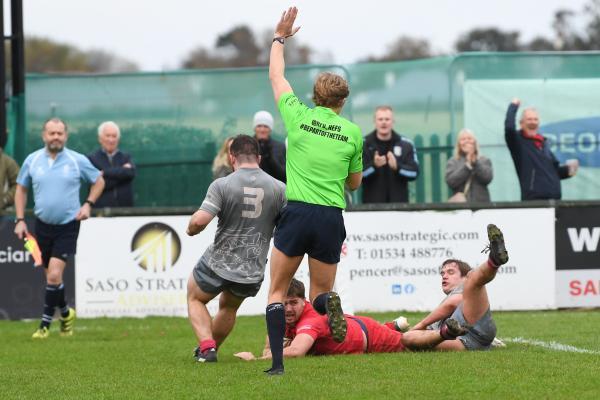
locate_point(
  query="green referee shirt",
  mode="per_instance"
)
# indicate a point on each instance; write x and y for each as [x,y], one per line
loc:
[323,148]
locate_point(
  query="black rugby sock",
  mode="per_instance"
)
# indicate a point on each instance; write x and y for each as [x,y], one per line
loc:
[320,303]
[276,330]
[50,302]
[62,304]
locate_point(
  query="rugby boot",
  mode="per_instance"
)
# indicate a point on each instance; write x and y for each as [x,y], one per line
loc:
[451,329]
[66,323]
[496,247]
[209,355]
[41,333]
[335,317]
[275,371]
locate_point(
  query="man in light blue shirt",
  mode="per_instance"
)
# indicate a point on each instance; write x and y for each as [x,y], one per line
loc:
[55,173]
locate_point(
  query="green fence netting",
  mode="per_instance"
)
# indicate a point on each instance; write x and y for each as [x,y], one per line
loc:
[173,122]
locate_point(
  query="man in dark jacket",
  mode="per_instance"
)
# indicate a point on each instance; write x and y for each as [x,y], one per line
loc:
[272,152]
[538,169]
[389,162]
[116,167]
[9,170]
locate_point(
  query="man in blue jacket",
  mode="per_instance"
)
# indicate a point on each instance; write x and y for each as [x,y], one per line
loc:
[117,168]
[538,169]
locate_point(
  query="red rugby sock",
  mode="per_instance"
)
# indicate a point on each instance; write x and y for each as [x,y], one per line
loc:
[207,344]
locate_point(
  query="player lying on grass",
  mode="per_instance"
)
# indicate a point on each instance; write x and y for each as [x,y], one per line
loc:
[307,332]
[465,324]
[248,203]
[466,302]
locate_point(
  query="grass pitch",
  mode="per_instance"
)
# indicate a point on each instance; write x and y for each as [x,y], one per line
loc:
[548,355]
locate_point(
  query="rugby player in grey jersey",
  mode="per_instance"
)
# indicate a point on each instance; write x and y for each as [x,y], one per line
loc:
[247,203]
[463,320]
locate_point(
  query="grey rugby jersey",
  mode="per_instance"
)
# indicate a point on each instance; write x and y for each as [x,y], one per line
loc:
[247,203]
[457,290]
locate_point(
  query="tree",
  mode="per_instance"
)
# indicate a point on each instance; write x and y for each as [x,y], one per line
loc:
[235,48]
[45,55]
[405,48]
[566,36]
[241,44]
[103,61]
[295,52]
[202,58]
[592,10]
[239,47]
[540,43]
[569,37]
[488,39]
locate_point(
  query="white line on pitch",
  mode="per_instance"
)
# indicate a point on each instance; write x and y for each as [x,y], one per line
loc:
[550,345]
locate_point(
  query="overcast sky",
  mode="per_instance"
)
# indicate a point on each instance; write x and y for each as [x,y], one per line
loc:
[158,34]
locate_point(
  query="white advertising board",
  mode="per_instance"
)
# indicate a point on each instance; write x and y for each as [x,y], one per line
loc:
[578,288]
[135,266]
[139,266]
[394,257]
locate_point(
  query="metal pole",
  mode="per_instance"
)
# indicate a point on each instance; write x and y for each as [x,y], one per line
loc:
[3,135]
[18,78]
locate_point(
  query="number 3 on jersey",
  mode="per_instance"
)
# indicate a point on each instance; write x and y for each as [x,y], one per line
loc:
[254,198]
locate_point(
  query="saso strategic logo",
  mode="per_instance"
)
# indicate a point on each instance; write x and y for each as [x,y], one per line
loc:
[156,247]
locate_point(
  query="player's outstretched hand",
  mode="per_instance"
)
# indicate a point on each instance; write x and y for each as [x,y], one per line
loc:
[516,101]
[245,355]
[285,26]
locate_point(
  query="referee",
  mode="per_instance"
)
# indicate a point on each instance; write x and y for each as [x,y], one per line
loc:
[324,153]
[55,173]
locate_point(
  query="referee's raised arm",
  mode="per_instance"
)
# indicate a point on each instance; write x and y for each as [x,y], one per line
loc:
[285,29]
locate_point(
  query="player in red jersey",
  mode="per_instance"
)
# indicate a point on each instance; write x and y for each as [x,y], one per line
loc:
[307,332]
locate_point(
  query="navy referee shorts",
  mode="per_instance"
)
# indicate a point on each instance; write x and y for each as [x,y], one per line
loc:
[59,241]
[311,229]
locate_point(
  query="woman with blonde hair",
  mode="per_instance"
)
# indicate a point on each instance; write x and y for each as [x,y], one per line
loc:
[467,172]
[221,166]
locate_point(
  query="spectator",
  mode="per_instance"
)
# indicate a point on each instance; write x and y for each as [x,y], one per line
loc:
[221,166]
[116,167]
[55,174]
[8,180]
[538,169]
[389,162]
[272,152]
[468,173]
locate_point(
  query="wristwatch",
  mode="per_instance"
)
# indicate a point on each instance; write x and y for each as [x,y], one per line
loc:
[279,39]
[91,203]
[19,219]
